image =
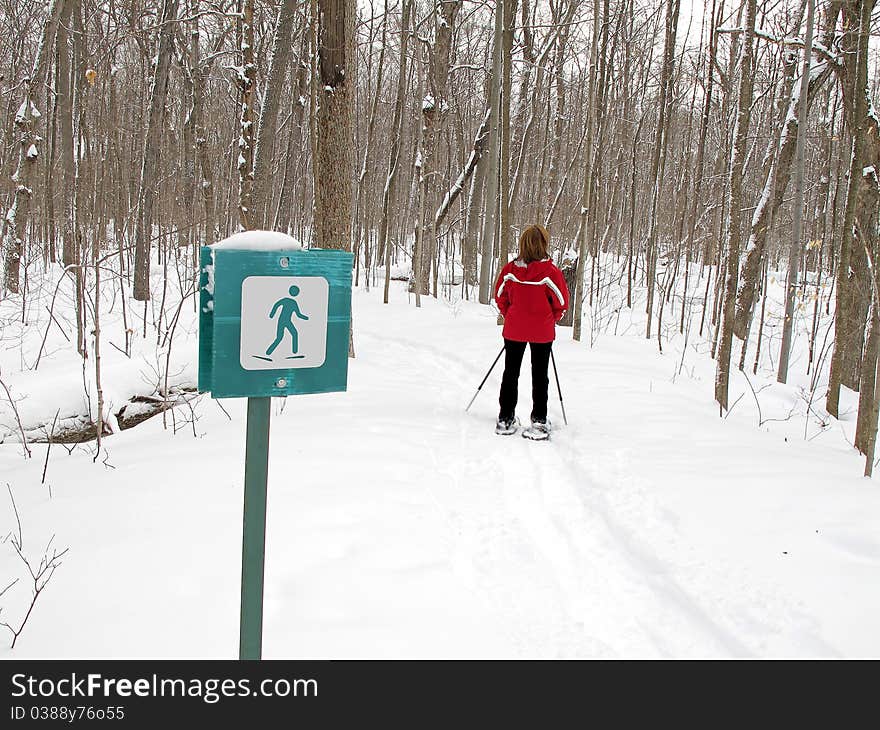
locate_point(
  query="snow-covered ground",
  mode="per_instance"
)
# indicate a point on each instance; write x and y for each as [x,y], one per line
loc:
[401,526]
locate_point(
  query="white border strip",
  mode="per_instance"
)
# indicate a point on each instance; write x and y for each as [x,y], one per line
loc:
[546,281]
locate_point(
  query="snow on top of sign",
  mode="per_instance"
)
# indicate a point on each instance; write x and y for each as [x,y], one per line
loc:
[258,241]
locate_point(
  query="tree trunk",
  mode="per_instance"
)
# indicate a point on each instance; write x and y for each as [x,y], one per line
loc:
[16,218]
[558,111]
[365,177]
[771,199]
[247,82]
[659,161]
[734,227]
[796,244]
[335,139]
[701,151]
[267,130]
[283,220]
[69,252]
[859,221]
[490,223]
[188,183]
[473,159]
[388,192]
[504,162]
[151,151]
[866,421]
[472,227]
[586,195]
[435,110]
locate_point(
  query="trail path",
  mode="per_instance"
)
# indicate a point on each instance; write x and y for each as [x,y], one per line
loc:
[401,526]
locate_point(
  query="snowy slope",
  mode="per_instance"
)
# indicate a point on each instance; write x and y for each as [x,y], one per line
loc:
[399,526]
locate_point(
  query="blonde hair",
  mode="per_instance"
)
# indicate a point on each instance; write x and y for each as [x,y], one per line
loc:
[534,243]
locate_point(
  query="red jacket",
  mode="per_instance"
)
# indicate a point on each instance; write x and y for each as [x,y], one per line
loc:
[532,298]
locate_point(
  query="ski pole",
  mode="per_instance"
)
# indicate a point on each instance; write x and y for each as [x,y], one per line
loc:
[558,388]
[484,380]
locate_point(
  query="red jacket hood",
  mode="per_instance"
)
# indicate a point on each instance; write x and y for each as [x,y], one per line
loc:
[532,271]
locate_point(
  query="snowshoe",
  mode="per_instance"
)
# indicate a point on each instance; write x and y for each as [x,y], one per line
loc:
[538,431]
[506,426]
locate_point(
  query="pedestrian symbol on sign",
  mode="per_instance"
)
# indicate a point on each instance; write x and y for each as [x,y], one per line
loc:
[288,307]
[277,311]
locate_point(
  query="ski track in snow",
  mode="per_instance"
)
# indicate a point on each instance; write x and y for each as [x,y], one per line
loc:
[554,559]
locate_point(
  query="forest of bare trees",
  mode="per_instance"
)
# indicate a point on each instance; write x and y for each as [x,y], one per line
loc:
[678,153]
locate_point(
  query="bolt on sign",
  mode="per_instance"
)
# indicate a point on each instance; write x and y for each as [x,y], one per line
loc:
[274,320]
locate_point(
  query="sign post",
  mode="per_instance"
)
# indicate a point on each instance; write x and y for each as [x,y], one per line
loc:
[253,549]
[274,320]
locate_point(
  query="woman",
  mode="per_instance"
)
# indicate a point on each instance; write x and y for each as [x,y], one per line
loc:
[532,296]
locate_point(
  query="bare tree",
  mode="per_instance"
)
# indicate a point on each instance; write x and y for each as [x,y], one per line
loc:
[279,62]
[247,74]
[794,257]
[722,375]
[151,151]
[29,144]
[490,222]
[394,146]
[335,163]
[658,165]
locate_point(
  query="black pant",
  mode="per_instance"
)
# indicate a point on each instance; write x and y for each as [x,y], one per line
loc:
[513,356]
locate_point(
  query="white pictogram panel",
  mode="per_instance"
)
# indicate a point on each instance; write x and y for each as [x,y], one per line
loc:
[283,322]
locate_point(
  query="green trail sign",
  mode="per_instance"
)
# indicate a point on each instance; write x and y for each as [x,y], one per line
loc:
[274,320]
